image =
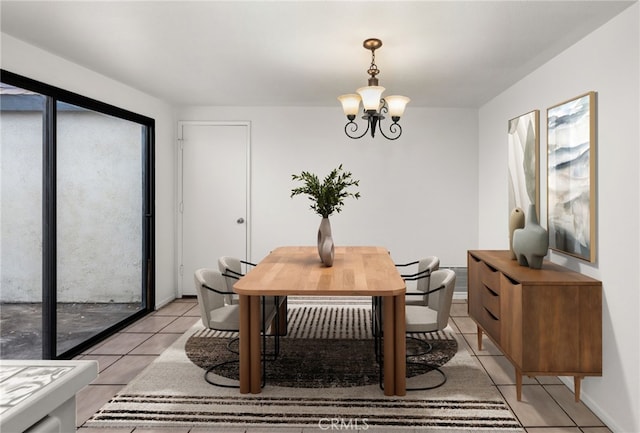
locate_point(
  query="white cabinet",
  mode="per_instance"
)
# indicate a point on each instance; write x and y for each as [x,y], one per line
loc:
[40,396]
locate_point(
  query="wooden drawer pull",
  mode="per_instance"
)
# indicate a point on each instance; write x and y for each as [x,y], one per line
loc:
[491,291]
[491,316]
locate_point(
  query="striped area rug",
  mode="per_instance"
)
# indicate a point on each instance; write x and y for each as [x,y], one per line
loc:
[350,413]
[172,392]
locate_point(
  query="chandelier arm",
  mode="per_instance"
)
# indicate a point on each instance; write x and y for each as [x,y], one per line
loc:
[394,128]
[354,128]
[384,108]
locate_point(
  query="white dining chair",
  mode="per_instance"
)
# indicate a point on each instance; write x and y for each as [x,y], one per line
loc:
[216,314]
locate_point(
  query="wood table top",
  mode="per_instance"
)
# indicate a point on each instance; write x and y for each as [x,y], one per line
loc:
[297,270]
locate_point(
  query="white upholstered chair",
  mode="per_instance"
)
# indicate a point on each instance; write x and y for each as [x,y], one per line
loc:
[416,294]
[425,267]
[432,317]
[231,269]
[216,314]
[211,290]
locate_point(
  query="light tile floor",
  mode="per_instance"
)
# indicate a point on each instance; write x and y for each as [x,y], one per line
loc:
[547,405]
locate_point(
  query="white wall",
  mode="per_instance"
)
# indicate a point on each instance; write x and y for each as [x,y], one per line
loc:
[32,62]
[418,193]
[606,61]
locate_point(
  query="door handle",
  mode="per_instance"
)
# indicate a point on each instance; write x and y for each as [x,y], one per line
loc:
[240,220]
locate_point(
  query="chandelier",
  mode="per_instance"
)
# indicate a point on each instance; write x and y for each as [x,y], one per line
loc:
[374,105]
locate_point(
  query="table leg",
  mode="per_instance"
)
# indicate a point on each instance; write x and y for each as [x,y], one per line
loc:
[245,339]
[400,345]
[255,344]
[388,345]
[282,325]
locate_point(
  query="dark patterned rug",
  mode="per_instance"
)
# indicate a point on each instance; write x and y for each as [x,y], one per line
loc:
[319,363]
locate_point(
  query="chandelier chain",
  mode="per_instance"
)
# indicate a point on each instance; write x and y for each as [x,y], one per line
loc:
[373,69]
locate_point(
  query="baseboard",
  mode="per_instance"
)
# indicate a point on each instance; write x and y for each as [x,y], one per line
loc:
[592,405]
[166,301]
[460,296]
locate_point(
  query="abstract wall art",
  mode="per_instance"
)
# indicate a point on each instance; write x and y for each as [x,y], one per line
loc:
[524,168]
[571,171]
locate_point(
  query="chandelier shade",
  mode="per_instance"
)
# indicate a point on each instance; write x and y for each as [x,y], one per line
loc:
[371,96]
[373,103]
[350,104]
[397,104]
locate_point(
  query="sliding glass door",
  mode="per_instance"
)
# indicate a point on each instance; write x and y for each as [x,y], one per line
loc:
[21,254]
[77,211]
[99,217]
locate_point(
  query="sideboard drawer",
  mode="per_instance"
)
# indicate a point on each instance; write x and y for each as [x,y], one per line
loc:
[491,301]
[490,277]
[490,323]
[507,285]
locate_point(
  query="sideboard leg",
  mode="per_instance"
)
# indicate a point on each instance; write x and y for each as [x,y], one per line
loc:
[518,384]
[479,338]
[576,387]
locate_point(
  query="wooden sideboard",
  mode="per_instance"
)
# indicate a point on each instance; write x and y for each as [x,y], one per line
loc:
[546,321]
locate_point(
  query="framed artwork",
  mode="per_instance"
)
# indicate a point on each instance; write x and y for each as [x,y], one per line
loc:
[524,167]
[571,160]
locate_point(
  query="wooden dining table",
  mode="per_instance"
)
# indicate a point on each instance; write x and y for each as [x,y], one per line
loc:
[297,270]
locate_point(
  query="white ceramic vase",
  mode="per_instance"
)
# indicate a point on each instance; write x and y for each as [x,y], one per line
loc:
[325,242]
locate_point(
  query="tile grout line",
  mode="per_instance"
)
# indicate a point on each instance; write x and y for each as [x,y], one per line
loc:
[121,356]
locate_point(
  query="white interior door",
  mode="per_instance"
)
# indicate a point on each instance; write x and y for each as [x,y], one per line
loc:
[213,196]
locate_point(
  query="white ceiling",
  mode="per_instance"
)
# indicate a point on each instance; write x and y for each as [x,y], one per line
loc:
[305,53]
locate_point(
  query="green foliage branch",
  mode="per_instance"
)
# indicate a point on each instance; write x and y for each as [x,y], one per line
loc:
[327,196]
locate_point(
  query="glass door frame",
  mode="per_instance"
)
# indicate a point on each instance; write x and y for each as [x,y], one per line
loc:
[53,95]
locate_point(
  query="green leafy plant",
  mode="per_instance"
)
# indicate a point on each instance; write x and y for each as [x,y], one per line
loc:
[327,196]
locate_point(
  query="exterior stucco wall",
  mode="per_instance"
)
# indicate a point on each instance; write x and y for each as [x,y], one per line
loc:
[99,203]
